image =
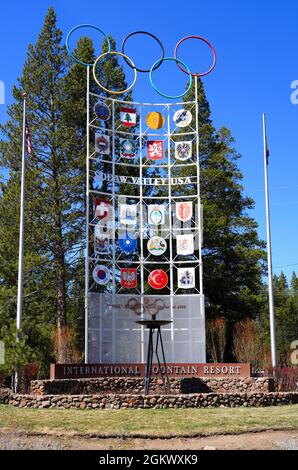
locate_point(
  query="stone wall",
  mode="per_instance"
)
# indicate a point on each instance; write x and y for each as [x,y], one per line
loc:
[117,401]
[135,385]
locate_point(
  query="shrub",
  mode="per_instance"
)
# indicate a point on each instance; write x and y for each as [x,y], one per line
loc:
[27,373]
[248,345]
[216,338]
[285,378]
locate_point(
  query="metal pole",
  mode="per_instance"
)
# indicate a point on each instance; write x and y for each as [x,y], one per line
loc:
[200,218]
[269,251]
[21,240]
[171,264]
[198,188]
[114,239]
[87,219]
[142,225]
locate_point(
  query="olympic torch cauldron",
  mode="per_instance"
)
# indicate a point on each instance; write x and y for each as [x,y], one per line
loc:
[153,307]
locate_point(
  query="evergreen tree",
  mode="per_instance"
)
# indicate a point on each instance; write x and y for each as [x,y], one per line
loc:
[49,222]
[55,191]
[280,283]
[286,317]
[294,282]
[232,252]
[38,294]
[285,308]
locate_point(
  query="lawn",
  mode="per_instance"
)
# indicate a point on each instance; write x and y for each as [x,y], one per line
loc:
[148,423]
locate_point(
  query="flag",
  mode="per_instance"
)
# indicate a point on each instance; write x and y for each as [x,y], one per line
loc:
[184,211]
[186,278]
[28,139]
[155,120]
[127,148]
[128,278]
[101,243]
[102,209]
[185,244]
[155,149]
[266,150]
[157,246]
[182,118]
[158,279]
[101,274]
[183,150]
[102,144]
[128,214]
[128,243]
[156,214]
[128,117]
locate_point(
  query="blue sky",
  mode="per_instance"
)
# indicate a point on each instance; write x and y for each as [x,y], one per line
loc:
[256,44]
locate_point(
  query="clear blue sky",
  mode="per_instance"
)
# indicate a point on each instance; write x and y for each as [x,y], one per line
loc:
[256,43]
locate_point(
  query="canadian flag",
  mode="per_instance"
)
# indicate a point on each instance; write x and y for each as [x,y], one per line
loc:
[128,117]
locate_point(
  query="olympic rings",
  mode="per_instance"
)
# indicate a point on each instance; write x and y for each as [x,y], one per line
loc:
[201,39]
[182,66]
[84,26]
[119,92]
[152,36]
[163,94]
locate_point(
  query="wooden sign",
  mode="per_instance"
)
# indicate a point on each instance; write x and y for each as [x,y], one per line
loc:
[81,371]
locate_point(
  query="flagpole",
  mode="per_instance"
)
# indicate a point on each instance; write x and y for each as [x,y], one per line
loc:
[21,240]
[87,218]
[269,250]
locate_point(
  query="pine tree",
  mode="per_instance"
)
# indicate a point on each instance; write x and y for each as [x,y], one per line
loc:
[41,79]
[232,252]
[280,283]
[38,295]
[74,115]
[286,317]
[294,281]
[55,203]
[55,190]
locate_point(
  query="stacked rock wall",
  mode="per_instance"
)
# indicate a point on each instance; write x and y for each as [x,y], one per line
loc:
[117,401]
[135,385]
[121,392]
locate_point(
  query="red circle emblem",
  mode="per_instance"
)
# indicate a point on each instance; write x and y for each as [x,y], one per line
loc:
[158,279]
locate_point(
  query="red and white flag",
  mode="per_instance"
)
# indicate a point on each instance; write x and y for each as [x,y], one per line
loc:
[155,149]
[128,117]
[184,211]
[102,209]
[28,139]
[129,278]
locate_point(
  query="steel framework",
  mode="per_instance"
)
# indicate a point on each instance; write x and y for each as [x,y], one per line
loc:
[143,195]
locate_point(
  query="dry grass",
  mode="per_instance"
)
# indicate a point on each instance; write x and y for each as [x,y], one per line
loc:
[13,441]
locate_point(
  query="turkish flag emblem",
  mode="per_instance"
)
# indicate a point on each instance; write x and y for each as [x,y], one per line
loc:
[184,211]
[129,278]
[158,279]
